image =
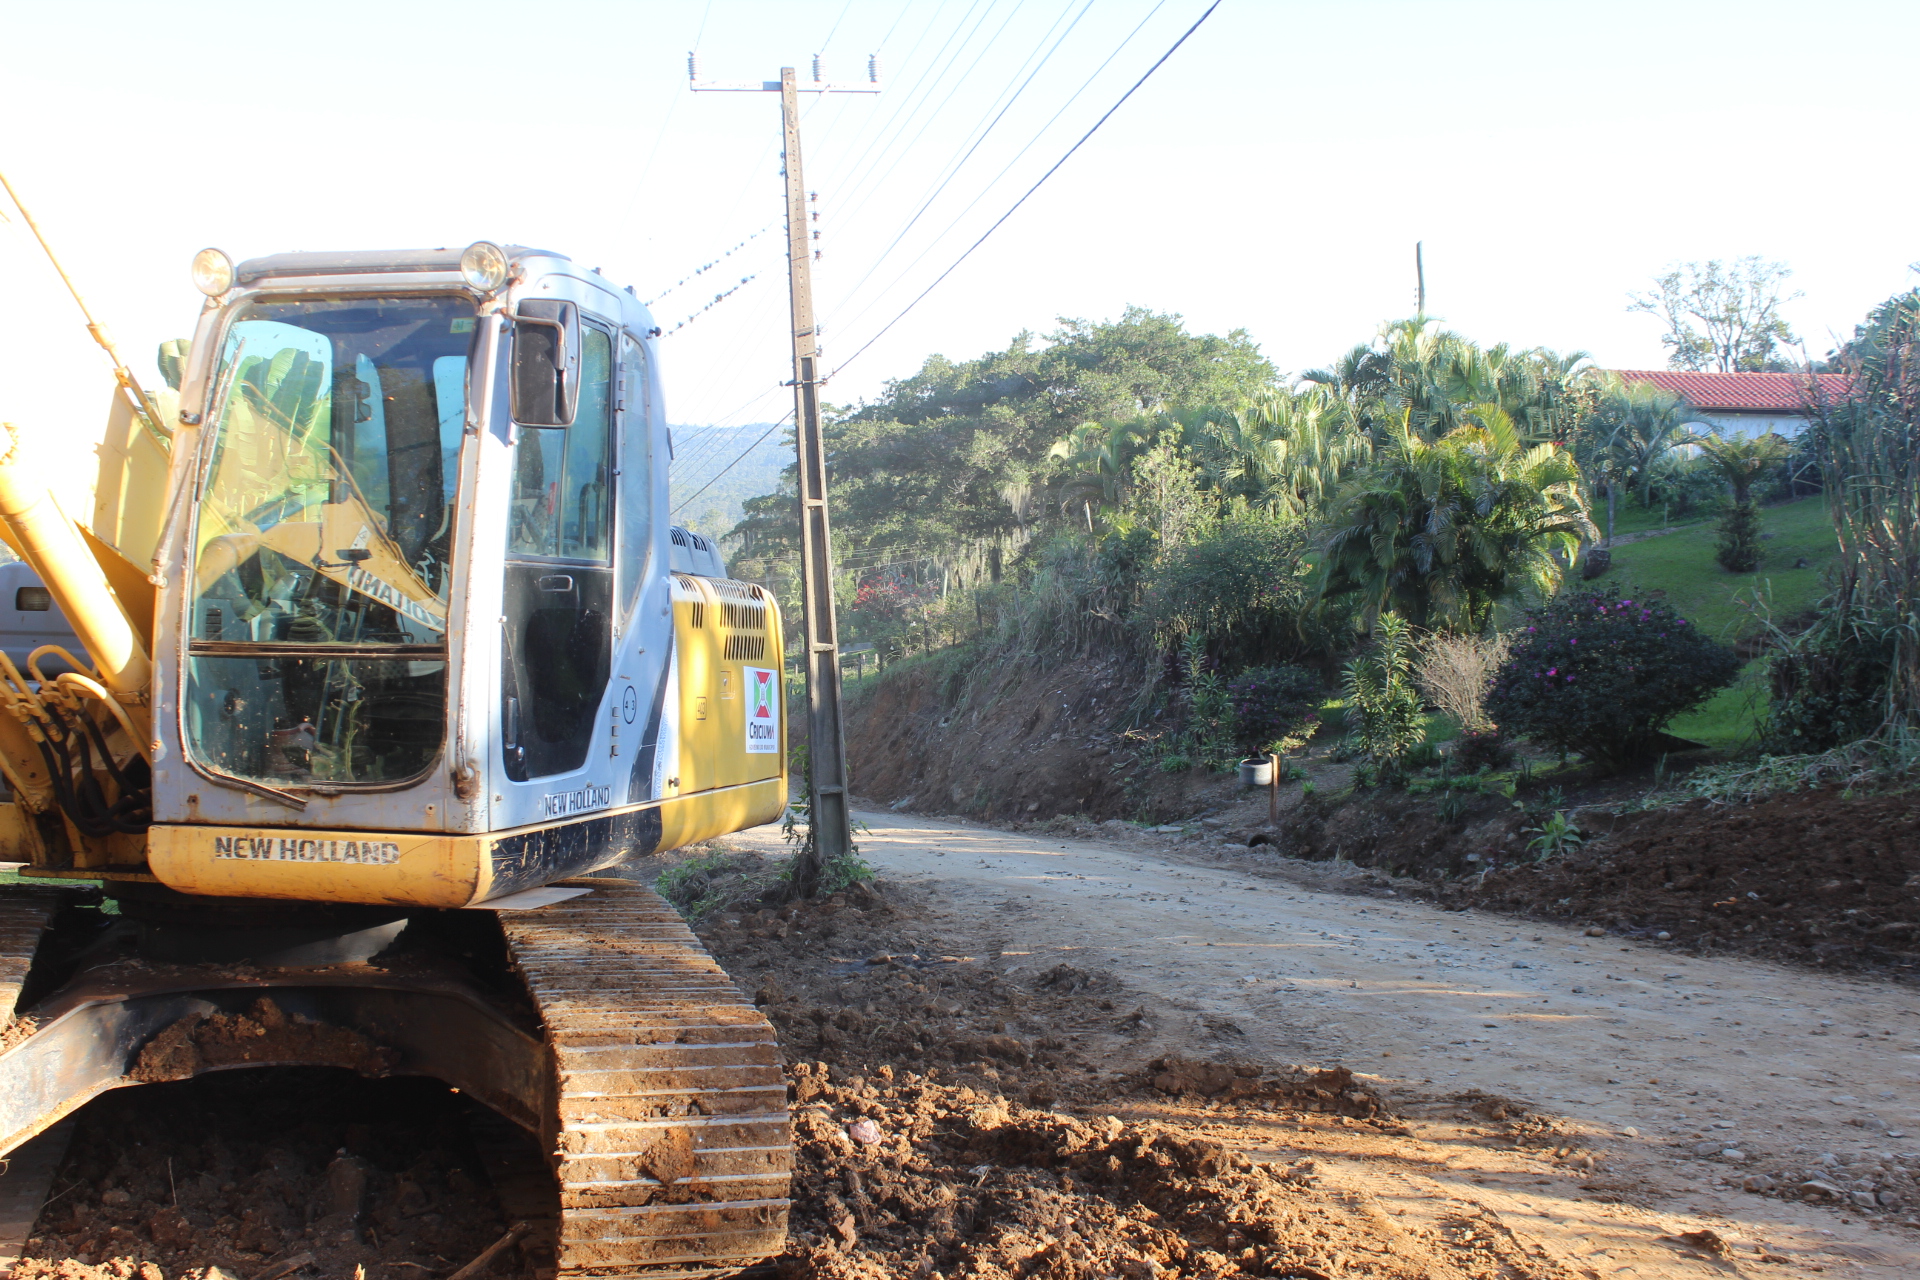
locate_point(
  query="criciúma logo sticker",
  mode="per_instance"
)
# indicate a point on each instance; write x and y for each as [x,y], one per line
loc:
[763,711]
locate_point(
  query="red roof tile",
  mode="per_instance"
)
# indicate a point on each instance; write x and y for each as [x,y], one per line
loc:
[1740,392]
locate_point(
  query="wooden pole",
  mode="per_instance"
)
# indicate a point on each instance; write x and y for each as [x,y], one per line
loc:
[1273,790]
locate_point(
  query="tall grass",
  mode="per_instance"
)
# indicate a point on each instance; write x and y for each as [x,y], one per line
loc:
[1871,465]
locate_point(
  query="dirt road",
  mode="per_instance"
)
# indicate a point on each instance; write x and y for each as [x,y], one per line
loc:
[1665,1061]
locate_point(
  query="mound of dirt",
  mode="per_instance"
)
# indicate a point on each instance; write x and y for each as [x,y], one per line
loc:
[1814,877]
[239,1170]
[899,1175]
[853,980]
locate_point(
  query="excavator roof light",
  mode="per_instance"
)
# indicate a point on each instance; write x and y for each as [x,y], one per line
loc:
[212,272]
[483,265]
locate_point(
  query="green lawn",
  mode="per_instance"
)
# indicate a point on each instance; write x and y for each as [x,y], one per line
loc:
[1633,518]
[1727,720]
[1681,565]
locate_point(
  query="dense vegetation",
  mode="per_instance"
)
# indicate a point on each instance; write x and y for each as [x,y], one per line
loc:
[1128,489]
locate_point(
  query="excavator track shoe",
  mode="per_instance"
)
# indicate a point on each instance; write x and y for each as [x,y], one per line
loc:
[671,1146]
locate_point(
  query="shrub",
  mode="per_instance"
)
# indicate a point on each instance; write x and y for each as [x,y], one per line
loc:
[1829,684]
[1455,670]
[1209,712]
[1481,749]
[1274,709]
[1383,707]
[1602,676]
[1242,586]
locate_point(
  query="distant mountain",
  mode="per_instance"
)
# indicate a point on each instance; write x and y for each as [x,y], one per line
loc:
[702,455]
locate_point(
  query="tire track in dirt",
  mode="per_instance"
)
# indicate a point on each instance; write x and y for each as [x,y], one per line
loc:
[1650,1052]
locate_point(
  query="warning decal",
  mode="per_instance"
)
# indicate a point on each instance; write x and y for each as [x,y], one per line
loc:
[763,711]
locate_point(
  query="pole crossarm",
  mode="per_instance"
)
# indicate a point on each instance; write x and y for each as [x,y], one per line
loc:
[870,85]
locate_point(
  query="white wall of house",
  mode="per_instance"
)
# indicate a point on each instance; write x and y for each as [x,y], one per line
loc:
[1752,424]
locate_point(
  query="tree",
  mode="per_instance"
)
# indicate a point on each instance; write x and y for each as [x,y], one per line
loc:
[958,454]
[1383,705]
[1286,451]
[1635,427]
[1742,460]
[1439,531]
[1722,317]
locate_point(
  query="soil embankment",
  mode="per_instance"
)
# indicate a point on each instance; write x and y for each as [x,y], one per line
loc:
[1826,878]
[1818,878]
[1021,743]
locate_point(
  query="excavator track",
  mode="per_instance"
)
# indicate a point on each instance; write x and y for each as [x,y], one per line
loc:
[671,1145]
[24,914]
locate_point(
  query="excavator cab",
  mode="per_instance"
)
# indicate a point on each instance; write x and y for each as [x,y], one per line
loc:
[417,642]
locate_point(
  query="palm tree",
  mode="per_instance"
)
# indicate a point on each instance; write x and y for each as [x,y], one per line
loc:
[1439,531]
[1286,451]
[1637,427]
[1095,456]
[1744,459]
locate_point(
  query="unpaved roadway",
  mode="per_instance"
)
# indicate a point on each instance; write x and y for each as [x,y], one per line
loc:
[1651,1054]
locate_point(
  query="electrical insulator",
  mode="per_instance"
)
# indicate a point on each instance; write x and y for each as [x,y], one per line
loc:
[816,68]
[873,68]
[693,67]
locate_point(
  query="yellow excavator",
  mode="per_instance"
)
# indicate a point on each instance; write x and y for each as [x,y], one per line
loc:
[385,646]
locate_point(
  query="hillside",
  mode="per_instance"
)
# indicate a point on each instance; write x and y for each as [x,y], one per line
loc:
[708,494]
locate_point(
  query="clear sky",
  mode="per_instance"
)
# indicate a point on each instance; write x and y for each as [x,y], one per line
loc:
[1272,176]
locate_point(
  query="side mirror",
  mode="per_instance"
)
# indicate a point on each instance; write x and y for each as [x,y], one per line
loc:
[546,362]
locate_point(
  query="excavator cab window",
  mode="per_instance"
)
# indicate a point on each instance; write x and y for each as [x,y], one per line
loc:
[559,577]
[636,475]
[317,634]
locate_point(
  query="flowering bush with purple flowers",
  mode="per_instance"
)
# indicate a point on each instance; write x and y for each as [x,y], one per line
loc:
[1275,708]
[1601,675]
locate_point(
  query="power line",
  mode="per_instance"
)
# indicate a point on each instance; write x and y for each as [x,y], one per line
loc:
[867,187]
[736,462]
[708,266]
[1040,133]
[1030,190]
[711,448]
[835,27]
[960,164]
[910,105]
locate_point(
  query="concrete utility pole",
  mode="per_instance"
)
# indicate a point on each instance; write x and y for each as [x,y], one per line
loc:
[831,819]
[1420,278]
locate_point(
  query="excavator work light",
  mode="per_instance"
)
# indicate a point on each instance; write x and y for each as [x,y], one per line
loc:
[484,266]
[212,272]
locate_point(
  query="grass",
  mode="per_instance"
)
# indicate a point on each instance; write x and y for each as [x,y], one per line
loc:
[1681,565]
[1633,518]
[1727,720]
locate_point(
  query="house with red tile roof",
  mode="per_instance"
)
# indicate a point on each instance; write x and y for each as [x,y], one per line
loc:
[1745,404]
